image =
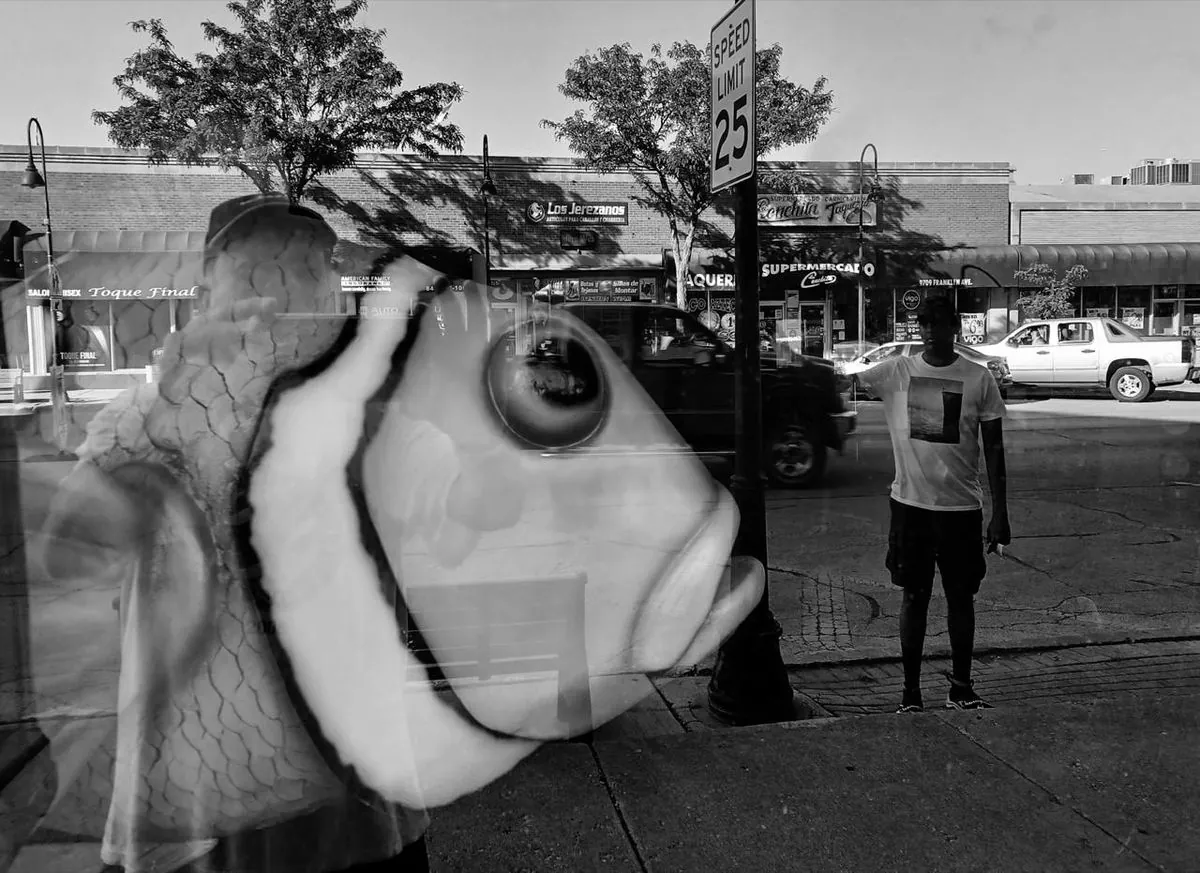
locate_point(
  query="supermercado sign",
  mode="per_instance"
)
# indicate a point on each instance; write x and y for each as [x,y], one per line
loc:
[815,210]
[852,268]
[104,293]
[570,212]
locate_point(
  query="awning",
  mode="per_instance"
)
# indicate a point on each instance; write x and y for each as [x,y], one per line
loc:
[161,275]
[1133,264]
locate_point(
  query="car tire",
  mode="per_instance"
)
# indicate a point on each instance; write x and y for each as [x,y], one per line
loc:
[794,455]
[1130,385]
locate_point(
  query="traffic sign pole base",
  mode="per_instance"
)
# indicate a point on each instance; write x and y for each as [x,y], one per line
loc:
[749,684]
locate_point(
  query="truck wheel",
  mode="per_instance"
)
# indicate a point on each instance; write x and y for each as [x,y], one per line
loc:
[1130,385]
[795,455]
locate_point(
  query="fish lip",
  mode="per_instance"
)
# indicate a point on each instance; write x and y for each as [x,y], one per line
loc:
[647,656]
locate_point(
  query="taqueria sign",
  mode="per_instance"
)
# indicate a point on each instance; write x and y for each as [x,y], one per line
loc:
[815,210]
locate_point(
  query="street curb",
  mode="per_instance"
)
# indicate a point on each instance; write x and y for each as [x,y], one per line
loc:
[869,657]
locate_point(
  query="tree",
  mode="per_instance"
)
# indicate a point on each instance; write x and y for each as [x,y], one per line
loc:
[291,96]
[1052,297]
[650,116]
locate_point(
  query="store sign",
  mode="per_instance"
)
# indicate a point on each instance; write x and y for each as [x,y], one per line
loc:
[363,284]
[910,300]
[816,210]
[604,290]
[577,212]
[937,283]
[848,268]
[712,280]
[119,293]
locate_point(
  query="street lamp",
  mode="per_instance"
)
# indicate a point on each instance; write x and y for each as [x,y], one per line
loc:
[488,188]
[962,274]
[872,197]
[31,178]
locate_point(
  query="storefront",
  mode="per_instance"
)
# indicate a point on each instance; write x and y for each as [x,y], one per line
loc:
[555,232]
[1153,288]
[117,309]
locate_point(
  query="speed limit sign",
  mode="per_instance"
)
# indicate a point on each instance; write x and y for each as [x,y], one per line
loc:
[731,126]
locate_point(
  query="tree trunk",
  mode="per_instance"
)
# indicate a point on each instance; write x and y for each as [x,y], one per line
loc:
[683,260]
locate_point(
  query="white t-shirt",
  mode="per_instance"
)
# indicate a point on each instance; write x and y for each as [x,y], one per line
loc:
[933,415]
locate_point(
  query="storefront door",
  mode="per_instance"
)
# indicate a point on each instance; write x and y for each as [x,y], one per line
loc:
[812,328]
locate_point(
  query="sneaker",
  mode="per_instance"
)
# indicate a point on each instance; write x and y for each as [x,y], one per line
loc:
[962,696]
[911,701]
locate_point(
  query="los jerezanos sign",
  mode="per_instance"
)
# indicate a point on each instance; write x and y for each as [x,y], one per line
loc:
[815,210]
[571,212]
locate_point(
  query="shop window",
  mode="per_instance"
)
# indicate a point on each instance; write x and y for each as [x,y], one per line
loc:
[84,335]
[1075,332]
[1099,301]
[139,327]
[1133,303]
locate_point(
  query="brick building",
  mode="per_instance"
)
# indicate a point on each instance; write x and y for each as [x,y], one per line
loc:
[128,239]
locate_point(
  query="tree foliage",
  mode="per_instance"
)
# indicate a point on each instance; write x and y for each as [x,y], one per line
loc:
[1052,297]
[291,95]
[650,116]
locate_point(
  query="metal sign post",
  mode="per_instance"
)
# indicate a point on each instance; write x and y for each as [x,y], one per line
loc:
[749,684]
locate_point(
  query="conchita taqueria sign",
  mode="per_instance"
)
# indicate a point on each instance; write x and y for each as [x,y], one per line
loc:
[815,210]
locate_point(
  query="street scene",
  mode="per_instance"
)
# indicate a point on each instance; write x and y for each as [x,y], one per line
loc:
[596,435]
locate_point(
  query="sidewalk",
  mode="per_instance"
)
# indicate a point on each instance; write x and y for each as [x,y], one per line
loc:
[1088,762]
[1100,784]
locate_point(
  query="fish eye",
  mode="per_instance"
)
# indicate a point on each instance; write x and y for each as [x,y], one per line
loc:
[554,397]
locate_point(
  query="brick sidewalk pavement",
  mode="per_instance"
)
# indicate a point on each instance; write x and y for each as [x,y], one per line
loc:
[1006,679]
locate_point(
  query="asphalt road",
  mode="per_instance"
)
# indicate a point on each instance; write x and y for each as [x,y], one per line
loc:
[1105,506]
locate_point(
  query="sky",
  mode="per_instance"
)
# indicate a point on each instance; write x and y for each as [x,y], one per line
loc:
[1053,88]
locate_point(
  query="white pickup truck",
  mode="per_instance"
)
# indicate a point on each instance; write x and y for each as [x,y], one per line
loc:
[1095,351]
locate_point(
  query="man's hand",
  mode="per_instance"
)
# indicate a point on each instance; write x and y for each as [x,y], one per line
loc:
[998,532]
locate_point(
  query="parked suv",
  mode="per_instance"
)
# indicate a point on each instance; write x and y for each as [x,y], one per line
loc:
[689,372]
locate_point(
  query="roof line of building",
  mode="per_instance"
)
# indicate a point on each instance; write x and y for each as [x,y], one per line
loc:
[96,156]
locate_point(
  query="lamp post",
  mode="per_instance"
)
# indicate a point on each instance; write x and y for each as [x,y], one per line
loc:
[31,178]
[871,198]
[488,188]
[962,274]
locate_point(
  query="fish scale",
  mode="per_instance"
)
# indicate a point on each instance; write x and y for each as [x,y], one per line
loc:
[229,736]
[226,751]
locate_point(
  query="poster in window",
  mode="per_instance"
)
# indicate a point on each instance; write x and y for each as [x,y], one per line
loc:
[974,328]
[82,329]
[1134,317]
[1099,312]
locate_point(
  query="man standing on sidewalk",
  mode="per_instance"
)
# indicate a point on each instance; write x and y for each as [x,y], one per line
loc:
[938,405]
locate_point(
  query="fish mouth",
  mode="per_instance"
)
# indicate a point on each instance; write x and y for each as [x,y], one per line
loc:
[324,586]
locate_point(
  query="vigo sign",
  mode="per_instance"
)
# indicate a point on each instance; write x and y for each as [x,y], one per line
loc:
[731,121]
[815,210]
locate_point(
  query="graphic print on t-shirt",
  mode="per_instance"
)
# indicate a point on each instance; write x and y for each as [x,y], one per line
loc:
[934,408]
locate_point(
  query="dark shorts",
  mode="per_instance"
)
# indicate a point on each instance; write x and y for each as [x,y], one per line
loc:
[952,541]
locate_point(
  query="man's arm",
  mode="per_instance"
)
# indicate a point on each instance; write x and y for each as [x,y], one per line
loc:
[879,378]
[998,532]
